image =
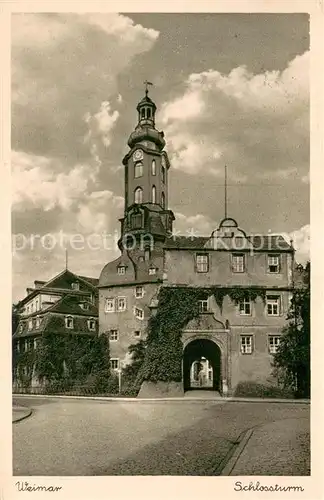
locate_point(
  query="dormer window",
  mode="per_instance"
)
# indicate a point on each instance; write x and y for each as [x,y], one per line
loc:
[92,324]
[75,286]
[152,270]
[138,169]
[69,322]
[121,270]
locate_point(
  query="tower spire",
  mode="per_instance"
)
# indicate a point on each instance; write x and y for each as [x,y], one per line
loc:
[147,83]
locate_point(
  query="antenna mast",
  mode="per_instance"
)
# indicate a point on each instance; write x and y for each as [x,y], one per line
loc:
[225,189]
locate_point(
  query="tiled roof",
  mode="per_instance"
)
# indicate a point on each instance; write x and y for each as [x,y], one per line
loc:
[68,305]
[259,242]
[186,242]
[71,305]
[92,281]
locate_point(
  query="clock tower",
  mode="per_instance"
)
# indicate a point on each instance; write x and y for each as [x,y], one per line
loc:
[146,180]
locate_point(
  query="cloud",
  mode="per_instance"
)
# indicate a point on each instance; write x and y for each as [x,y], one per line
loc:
[257,124]
[65,67]
[301,242]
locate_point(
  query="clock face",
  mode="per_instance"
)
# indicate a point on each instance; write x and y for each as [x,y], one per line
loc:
[138,155]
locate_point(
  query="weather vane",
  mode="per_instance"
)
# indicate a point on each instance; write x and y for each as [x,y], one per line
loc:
[146,83]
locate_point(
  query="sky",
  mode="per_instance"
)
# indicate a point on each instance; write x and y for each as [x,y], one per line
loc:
[230,89]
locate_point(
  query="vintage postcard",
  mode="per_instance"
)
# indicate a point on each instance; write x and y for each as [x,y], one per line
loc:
[160,163]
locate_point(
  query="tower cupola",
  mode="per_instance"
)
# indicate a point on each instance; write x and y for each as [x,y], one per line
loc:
[145,129]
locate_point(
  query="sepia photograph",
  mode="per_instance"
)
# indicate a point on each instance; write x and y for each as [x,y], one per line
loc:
[161,268]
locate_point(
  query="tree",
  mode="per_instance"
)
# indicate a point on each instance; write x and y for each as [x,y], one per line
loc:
[293,357]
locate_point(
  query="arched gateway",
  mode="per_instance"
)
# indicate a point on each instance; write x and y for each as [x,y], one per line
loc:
[202,365]
[206,355]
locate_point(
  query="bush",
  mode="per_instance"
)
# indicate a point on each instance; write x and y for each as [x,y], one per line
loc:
[255,390]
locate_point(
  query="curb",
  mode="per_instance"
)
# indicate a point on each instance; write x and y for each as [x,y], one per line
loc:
[226,471]
[169,399]
[23,417]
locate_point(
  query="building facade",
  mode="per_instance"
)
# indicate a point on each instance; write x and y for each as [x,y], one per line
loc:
[231,343]
[66,304]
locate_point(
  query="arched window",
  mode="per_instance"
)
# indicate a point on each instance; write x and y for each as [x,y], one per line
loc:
[148,113]
[163,200]
[138,195]
[153,194]
[153,167]
[163,174]
[143,113]
[138,169]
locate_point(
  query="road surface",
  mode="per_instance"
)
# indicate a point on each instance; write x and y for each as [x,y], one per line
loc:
[65,437]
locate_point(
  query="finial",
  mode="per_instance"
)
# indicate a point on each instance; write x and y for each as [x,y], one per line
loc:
[146,83]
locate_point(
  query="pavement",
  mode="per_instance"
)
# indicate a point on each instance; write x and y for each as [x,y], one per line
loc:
[69,436]
[20,413]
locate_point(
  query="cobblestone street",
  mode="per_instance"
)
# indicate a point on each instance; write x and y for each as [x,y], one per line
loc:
[85,437]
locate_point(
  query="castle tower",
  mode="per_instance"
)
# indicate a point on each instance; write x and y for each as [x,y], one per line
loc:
[146,179]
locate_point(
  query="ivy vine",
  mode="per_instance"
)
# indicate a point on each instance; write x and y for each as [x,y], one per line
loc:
[63,361]
[176,307]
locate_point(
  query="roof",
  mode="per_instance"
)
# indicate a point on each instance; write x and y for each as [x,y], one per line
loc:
[92,281]
[259,242]
[66,306]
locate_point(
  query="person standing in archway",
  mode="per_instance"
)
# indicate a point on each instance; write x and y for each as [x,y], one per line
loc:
[201,375]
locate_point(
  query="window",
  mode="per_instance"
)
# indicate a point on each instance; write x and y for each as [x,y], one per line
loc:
[273,264]
[113,335]
[121,304]
[37,322]
[273,305]
[121,270]
[203,305]
[114,363]
[238,264]
[18,346]
[148,112]
[69,322]
[202,263]
[75,286]
[163,200]
[32,307]
[139,313]
[152,270]
[138,169]
[92,324]
[137,333]
[143,113]
[246,344]
[136,221]
[30,324]
[274,341]
[36,343]
[153,171]
[139,292]
[110,305]
[153,194]
[163,174]
[138,195]
[245,307]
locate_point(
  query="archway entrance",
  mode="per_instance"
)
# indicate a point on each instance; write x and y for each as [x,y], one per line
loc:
[202,365]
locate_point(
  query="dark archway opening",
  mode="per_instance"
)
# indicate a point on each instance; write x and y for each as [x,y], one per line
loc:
[202,366]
